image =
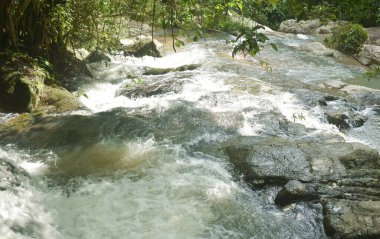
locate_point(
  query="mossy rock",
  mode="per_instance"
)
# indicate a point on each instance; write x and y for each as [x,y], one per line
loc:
[21,83]
[59,100]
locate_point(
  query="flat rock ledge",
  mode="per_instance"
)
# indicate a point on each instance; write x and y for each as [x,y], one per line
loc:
[343,177]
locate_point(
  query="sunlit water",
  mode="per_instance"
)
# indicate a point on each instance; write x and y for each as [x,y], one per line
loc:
[154,183]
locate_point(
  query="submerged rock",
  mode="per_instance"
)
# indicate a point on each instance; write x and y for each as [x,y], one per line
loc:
[316,48]
[343,121]
[10,175]
[162,71]
[149,88]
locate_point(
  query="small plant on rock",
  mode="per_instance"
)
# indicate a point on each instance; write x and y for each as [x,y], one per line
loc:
[347,38]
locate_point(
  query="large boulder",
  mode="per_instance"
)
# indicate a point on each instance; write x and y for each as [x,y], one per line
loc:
[57,99]
[141,46]
[369,54]
[314,26]
[343,177]
[21,83]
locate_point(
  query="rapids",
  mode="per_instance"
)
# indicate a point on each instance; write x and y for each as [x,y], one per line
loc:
[152,167]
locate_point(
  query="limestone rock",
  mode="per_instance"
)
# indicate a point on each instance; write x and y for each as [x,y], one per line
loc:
[369,54]
[303,27]
[316,48]
[373,35]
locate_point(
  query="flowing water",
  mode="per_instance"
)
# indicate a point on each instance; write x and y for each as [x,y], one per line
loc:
[152,166]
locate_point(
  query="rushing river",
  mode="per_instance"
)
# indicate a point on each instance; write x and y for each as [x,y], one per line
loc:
[152,166]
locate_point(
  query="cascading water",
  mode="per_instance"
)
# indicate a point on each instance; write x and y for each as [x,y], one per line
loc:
[152,167]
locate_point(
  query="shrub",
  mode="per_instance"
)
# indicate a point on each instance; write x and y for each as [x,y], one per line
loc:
[347,38]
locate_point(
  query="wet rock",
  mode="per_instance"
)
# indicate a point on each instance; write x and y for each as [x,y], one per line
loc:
[331,98]
[10,175]
[162,71]
[344,177]
[294,191]
[343,121]
[361,157]
[34,131]
[322,102]
[97,56]
[340,120]
[141,46]
[273,161]
[316,48]
[352,219]
[151,88]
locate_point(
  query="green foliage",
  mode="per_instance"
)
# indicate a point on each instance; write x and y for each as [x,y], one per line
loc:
[365,12]
[348,38]
[249,40]
[373,73]
[45,26]
[298,116]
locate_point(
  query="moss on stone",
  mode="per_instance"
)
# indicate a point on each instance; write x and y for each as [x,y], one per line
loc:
[21,83]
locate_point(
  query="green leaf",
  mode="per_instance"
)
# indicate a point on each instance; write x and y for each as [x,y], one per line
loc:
[274,46]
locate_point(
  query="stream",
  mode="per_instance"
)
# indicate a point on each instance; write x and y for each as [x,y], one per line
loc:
[152,165]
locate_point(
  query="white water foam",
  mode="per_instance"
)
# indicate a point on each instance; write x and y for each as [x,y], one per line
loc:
[22,216]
